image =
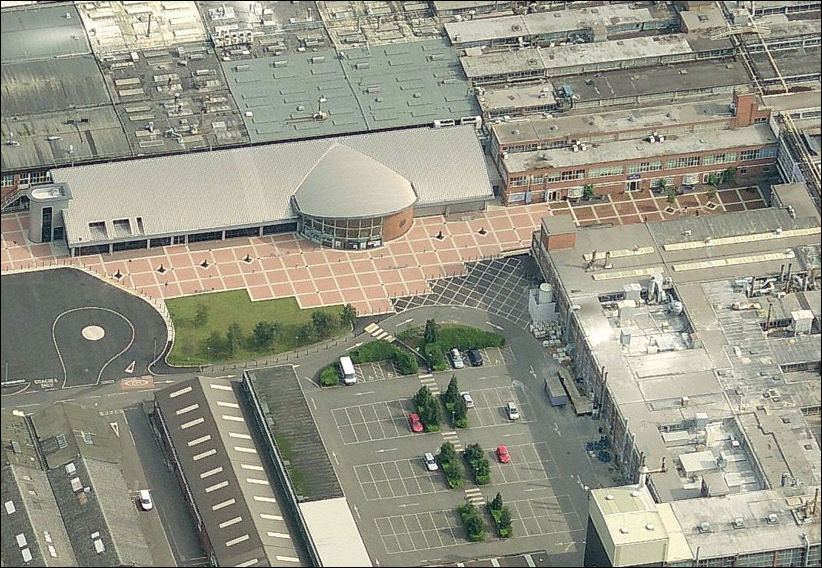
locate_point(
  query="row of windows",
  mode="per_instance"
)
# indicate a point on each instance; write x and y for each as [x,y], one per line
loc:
[721,158]
[644,167]
[615,170]
[27,178]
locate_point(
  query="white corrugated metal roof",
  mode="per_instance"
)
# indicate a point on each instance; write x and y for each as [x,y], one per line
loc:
[249,186]
[347,183]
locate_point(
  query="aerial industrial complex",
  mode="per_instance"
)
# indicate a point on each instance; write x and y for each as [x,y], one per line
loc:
[626,196]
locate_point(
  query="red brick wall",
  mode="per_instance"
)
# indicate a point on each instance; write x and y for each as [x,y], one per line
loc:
[560,241]
[397,225]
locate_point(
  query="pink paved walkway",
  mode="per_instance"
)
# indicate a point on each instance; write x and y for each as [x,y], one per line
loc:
[287,265]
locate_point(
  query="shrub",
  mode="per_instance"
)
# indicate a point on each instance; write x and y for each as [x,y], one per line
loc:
[432,332]
[428,408]
[450,465]
[472,522]
[459,413]
[435,357]
[405,363]
[264,334]
[378,350]
[480,467]
[501,517]
[329,376]
[466,337]
[451,394]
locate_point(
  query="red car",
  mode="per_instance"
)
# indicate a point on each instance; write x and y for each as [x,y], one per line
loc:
[414,422]
[502,454]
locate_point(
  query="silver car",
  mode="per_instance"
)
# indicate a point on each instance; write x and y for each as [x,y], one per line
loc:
[430,462]
[512,410]
[456,358]
[466,396]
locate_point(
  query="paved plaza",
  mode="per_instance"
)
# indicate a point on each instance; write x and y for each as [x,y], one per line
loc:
[287,265]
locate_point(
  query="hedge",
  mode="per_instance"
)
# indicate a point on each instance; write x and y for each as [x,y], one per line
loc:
[405,363]
[472,522]
[378,350]
[433,353]
[465,337]
[329,375]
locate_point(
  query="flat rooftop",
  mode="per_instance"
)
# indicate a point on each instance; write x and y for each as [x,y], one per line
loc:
[565,125]
[756,135]
[726,371]
[516,97]
[359,90]
[40,32]
[538,23]
[557,60]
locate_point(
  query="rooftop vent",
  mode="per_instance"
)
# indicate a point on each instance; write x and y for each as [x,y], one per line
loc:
[704,527]
[609,497]
[624,530]
[772,519]
[739,523]
[649,527]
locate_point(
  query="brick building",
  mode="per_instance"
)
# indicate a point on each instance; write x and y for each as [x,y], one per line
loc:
[554,159]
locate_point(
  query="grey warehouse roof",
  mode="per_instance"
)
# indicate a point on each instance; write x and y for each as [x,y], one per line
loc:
[252,186]
[347,183]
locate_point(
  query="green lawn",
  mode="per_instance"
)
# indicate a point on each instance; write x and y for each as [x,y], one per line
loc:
[222,309]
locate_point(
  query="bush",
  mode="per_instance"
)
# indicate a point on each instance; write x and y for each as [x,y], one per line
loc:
[435,357]
[466,337]
[405,363]
[472,522]
[501,517]
[329,376]
[450,465]
[428,408]
[480,467]
[459,413]
[378,350]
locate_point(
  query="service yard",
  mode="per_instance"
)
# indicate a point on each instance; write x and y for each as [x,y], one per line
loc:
[407,515]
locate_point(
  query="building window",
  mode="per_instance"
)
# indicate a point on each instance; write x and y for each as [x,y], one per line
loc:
[552,177]
[745,170]
[758,154]
[568,175]
[537,179]
[688,162]
[24,179]
[606,171]
[8,180]
[516,197]
[644,167]
[669,181]
[519,181]
[721,158]
[40,177]
[760,119]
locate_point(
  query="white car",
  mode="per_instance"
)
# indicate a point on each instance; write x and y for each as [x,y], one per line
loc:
[512,410]
[146,504]
[466,396]
[430,462]
[456,358]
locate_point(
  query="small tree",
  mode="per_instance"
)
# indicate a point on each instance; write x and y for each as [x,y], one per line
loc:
[496,504]
[431,333]
[728,176]
[452,393]
[264,333]
[431,414]
[234,338]
[662,185]
[323,323]
[215,344]
[460,413]
[670,195]
[348,314]
[447,453]
[473,452]
[422,397]
[588,190]
[201,315]
[505,523]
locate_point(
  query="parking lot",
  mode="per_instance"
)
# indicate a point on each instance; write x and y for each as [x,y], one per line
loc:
[407,515]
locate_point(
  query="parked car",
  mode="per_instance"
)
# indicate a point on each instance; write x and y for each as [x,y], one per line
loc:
[456,359]
[512,410]
[415,422]
[430,462]
[466,396]
[146,504]
[502,454]
[474,357]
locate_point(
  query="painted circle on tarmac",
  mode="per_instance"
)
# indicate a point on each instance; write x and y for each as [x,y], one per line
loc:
[93,332]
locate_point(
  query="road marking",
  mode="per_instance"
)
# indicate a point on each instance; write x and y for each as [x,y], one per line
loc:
[226,377]
[130,368]
[494,325]
[27,405]
[364,393]
[356,345]
[409,320]
[404,505]
[387,450]
[371,327]
[357,512]
[334,455]
[314,403]
[115,427]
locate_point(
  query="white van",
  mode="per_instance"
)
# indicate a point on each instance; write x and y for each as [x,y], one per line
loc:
[349,375]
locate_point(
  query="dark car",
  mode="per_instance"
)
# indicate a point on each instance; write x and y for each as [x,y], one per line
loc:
[474,357]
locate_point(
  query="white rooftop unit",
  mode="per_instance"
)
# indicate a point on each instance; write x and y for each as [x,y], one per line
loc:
[802,322]
[697,463]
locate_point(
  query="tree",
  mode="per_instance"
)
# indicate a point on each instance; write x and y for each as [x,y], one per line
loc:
[422,397]
[496,504]
[201,315]
[473,453]
[447,453]
[588,190]
[670,194]
[460,413]
[234,338]
[452,393]
[264,333]
[431,333]
[505,523]
[431,413]
[662,185]
[323,323]
[405,363]
[215,344]
[348,315]
[728,176]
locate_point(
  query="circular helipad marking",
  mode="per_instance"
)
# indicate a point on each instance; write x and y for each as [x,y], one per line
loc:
[93,332]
